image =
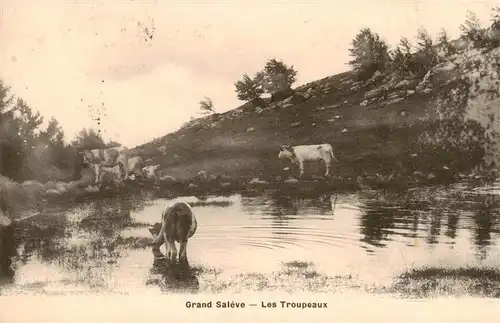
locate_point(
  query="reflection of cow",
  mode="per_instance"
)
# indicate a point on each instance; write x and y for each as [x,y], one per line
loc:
[152,173]
[135,167]
[108,157]
[178,223]
[299,154]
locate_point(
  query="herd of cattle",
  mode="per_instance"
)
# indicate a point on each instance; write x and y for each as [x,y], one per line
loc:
[115,165]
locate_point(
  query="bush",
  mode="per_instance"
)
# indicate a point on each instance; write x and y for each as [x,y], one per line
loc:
[473,31]
[495,18]
[444,42]
[414,64]
[276,79]
[207,106]
[249,89]
[370,54]
[276,76]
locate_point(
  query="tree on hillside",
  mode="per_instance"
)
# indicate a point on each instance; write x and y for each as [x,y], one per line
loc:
[370,53]
[276,76]
[88,139]
[27,120]
[401,56]
[52,138]
[207,106]
[472,29]
[248,89]
[10,142]
[5,97]
[424,41]
[427,56]
[444,42]
[495,18]
[54,133]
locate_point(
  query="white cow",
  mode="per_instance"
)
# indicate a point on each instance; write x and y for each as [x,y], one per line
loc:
[152,173]
[107,157]
[299,154]
[135,167]
[110,175]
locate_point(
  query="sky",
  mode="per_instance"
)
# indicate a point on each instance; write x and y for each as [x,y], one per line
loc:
[82,60]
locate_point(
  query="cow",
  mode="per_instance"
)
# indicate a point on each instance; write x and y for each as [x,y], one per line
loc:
[152,173]
[135,167]
[110,175]
[178,223]
[299,154]
[107,157]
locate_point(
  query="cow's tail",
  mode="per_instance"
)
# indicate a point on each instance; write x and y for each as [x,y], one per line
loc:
[333,157]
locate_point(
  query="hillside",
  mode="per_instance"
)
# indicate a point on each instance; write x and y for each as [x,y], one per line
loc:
[374,126]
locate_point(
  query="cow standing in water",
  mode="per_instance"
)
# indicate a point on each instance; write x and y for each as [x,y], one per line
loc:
[299,154]
[108,157]
[178,223]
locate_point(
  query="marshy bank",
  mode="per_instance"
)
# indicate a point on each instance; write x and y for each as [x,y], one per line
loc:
[302,276]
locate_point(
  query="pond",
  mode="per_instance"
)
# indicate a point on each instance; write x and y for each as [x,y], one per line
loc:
[103,246]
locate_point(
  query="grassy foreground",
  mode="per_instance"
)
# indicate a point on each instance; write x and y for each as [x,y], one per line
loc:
[300,276]
[431,282]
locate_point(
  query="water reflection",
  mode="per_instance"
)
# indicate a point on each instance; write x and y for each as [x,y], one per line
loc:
[485,219]
[452,224]
[376,224]
[384,220]
[94,242]
[173,276]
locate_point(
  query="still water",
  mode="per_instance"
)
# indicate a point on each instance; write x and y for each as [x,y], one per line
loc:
[102,246]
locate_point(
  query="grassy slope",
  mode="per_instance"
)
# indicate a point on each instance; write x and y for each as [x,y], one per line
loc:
[367,138]
[376,136]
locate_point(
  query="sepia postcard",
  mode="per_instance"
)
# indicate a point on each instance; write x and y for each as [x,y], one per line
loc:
[240,161]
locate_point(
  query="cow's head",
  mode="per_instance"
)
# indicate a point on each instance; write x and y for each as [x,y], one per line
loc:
[286,152]
[155,229]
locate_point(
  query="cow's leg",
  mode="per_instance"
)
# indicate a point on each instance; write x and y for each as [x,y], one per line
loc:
[168,246]
[183,250]
[125,165]
[97,169]
[327,166]
[301,168]
[173,249]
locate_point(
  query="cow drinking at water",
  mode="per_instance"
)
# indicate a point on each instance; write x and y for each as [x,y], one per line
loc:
[178,223]
[108,157]
[301,153]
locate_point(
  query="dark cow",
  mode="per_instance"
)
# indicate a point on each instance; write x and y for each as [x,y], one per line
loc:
[178,223]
